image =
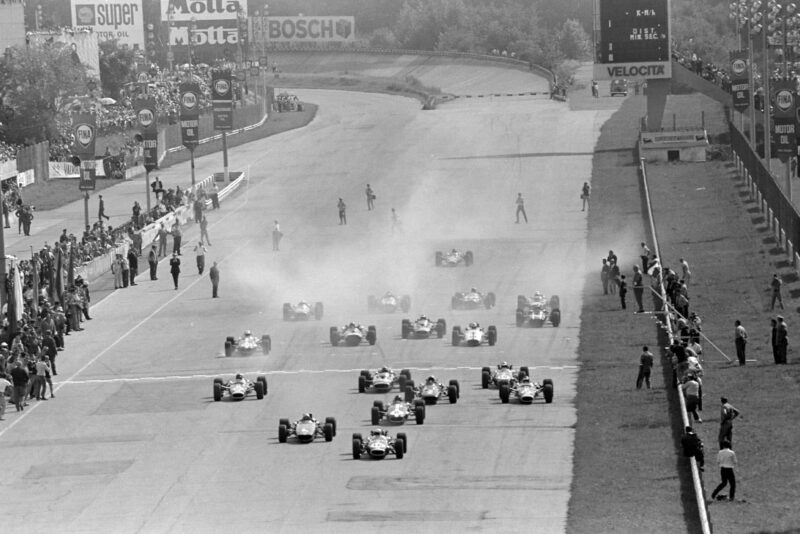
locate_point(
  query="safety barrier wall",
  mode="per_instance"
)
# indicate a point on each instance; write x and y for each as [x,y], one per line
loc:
[696,481]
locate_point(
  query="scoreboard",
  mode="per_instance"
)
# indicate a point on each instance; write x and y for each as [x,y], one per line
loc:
[632,39]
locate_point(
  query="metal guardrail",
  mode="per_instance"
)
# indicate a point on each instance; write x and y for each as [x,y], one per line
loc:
[697,483]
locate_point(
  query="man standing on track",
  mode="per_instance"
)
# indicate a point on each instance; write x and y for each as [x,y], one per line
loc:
[177,235]
[645,368]
[213,273]
[152,260]
[370,198]
[175,268]
[521,208]
[204,231]
[342,211]
[162,240]
[200,251]
[276,235]
[133,265]
[740,340]
[101,209]
[638,289]
[726,459]
[586,192]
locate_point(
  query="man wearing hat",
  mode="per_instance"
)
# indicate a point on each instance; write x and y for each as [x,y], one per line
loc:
[175,268]
[781,341]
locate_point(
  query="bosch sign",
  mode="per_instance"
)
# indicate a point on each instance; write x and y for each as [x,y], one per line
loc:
[303,29]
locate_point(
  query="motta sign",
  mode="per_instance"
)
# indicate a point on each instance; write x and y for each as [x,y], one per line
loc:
[186,10]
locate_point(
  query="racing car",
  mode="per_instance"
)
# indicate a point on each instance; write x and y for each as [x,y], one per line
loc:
[383,380]
[453,258]
[526,391]
[247,344]
[388,303]
[472,300]
[432,390]
[353,334]
[379,444]
[302,311]
[238,388]
[398,411]
[503,374]
[474,335]
[535,311]
[423,328]
[307,429]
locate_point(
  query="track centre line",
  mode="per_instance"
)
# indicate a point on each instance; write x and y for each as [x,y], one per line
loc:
[103,352]
[167,378]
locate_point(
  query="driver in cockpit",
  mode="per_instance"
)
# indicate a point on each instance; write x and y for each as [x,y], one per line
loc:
[247,333]
[430,380]
[307,417]
[504,365]
[397,399]
[239,379]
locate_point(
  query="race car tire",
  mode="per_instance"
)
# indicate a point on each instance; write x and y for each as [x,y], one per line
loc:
[419,414]
[490,300]
[372,303]
[441,328]
[458,387]
[399,448]
[438,259]
[327,429]
[547,381]
[365,373]
[332,421]
[283,433]
[263,380]
[376,416]
[334,336]
[217,392]
[409,395]
[402,435]
[287,311]
[259,387]
[555,303]
[452,394]
[285,422]
[486,377]
[405,328]
[520,318]
[266,344]
[547,391]
[356,449]
[555,318]
[357,435]
[362,383]
[228,349]
[524,370]
[492,335]
[468,258]
[505,393]
[430,400]
[372,335]
[219,381]
[379,404]
[405,303]
[456,337]
[401,382]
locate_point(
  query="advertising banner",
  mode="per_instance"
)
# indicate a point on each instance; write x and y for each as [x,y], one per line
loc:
[111,19]
[785,138]
[150,150]
[783,98]
[222,99]
[740,83]
[202,10]
[84,129]
[190,116]
[146,117]
[302,29]
[88,176]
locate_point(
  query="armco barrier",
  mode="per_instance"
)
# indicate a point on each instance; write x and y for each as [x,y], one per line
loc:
[696,482]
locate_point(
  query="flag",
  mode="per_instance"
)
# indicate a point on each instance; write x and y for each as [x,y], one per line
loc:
[35,280]
[59,278]
[71,268]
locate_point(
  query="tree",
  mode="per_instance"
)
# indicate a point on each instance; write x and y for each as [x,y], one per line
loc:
[31,82]
[117,67]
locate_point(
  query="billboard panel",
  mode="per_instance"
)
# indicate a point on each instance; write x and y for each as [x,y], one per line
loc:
[302,29]
[111,19]
[202,10]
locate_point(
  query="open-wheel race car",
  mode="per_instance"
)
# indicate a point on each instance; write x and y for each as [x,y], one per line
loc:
[398,411]
[247,344]
[502,374]
[353,334]
[474,335]
[383,380]
[537,310]
[302,311]
[239,387]
[453,258]
[432,390]
[307,429]
[388,303]
[379,445]
[526,391]
[472,300]
[423,328]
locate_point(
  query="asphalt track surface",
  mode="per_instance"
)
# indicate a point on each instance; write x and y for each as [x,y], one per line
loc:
[134,441]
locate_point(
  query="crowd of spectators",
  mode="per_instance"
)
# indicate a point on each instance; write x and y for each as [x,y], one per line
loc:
[708,71]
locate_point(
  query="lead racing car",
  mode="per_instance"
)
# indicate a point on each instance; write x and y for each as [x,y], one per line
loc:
[474,335]
[423,328]
[432,390]
[535,311]
[302,311]
[398,411]
[503,374]
[239,388]
[353,334]
[379,444]
[388,303]
[526,391]
[472,300]
[307,429]
[247,344]
[383,380]
[453,258]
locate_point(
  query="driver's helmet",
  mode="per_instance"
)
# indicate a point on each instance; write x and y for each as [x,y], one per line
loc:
[473,289]
[473,325]
[526,380]
[431,379]
[238,376]
[351,325]
[398,398]
[307,417]
[538,294]
[384,370]
[377,432]
[453,251]
[423,318]
[384,432]
[247,333]
[388,294]
[303,303]
[503,365]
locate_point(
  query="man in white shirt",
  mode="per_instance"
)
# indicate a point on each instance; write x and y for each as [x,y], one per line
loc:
[726,459]
[4,384]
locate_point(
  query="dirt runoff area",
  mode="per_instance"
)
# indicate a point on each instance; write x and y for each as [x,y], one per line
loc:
[630,474]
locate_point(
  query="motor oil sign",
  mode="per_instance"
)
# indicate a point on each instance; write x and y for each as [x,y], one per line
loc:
[302,29]
[111,19]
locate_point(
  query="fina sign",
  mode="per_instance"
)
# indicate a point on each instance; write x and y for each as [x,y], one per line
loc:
[303,29]
[111,19]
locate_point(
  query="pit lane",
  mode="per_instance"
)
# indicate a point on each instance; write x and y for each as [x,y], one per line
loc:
[116,452]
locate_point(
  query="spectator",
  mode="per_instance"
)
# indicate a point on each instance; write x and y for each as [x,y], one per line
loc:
[687,274]
[152,260]
[691,390]
[623,290]
[586,192]
[726,459]
[645,368]
[175,268]
[645,256]
[782,340]
[19,377]
[133,265]
[214,275]
[177,235]
[727,414]
[200,252]
[774,340]
[605,275]
[638,289]
[740,340]
[693,447]
[775,285]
